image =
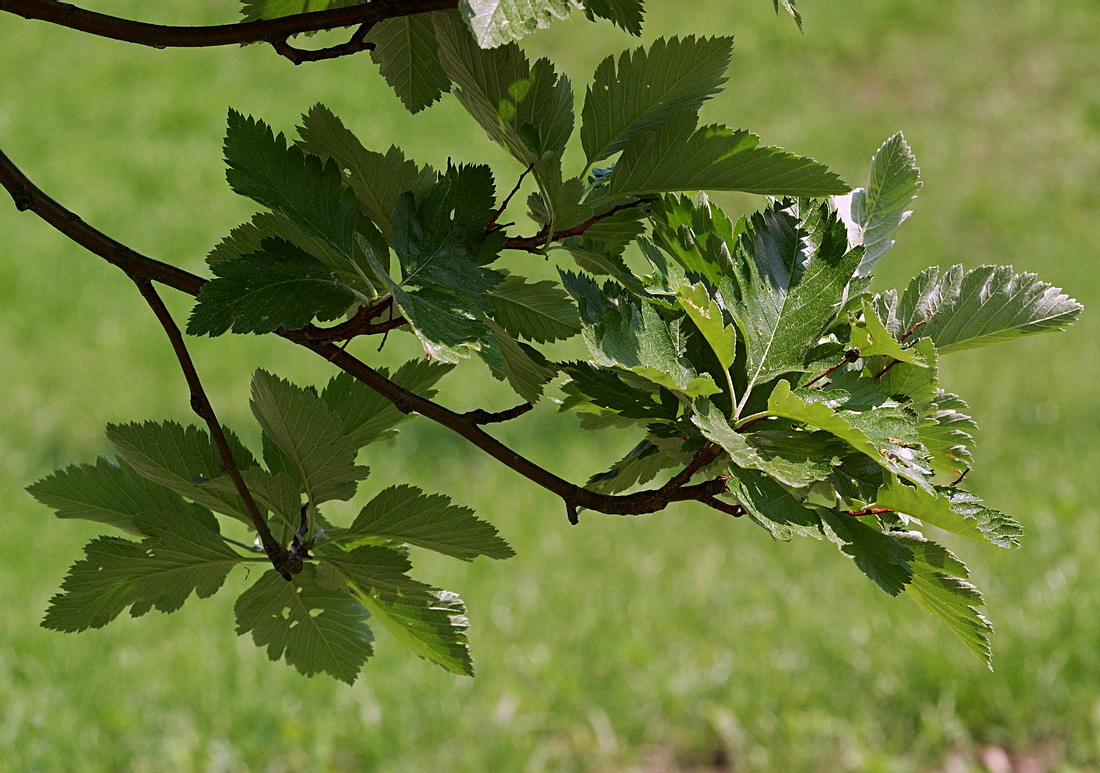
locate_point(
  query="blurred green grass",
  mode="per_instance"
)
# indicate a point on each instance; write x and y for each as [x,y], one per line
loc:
[683,641]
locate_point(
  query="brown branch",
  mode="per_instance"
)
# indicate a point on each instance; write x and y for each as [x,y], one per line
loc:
[355,44]
[541,239]
[361,323]
[266,30]
[481,416]
[138,267]
[493,221]
[886,369]
[849,356]
[729,509]
[200,404]
[700,460]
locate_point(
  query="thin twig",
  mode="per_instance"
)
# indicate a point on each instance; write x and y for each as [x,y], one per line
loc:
[886,369]
[959,479]
[542,238]
[200,404]
[361,323]
[729,509]
[481,416]
[912,330]
[264,30]
[493,221]
[357,42]
[849,356]
[698,462]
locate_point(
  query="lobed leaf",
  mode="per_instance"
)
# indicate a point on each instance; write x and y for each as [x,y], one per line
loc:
[407,56]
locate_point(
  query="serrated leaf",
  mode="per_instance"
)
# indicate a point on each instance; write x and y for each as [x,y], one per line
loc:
[947,433]
[872,338]
[704,310]
[678,157]
[522,366]
[430,622]
[182,459]
[790,7]
[771,505]
[104,492]
[591,387]
[787,294]
[528,110]
[870,432]
[882,557]
[430,521]
[313,627]
[310,437]
[875,212]
[645,87]
[280,493]
[308,192]
[622,333]
[953,510]
[407,56]
[537,311]
[939,586]
[640,465]
[378,180]
[966,309]
[495,22]
[626,14]
[183,554]
[280,286]
[368,416]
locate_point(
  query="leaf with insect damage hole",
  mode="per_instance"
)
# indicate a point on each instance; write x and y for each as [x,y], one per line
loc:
[309,437]
[183,553]
[314,628]
[430,521]
[430,622]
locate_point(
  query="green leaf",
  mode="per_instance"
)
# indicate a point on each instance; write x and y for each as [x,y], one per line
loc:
[313,627]
[183,554]
[787,295]
[947,433]
[790,7]
[182,459]
[678,157]
[626,14]
[407,514]
[640,465]
[310,437]
[953,510]
[772,506]
[280,286]
[939,586]
[622,333]
[378,180]
[875,212]
[537,311]
[105,492]
[495,22]
[599,388]
[870,432]
[872,338]
[368,416]
[966,309]
[704,310]
[882,557]
[430,622]
[522,366]
[308,192]
[272,9]
[647,87]
[408,58]
[528,110]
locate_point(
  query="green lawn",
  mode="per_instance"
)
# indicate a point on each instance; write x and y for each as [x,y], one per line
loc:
[682,641]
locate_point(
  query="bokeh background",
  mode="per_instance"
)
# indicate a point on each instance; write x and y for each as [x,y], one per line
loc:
[684,641]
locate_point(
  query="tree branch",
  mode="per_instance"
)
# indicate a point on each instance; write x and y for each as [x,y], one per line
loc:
[481,416]
[538,241]
[274,31]
[137,266]
[355,44]
[200,404]
[361,323]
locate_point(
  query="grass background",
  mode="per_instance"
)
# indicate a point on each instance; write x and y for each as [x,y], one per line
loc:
[685,641]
